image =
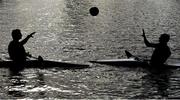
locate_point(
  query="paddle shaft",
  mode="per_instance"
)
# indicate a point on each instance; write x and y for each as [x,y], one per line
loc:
[37,58]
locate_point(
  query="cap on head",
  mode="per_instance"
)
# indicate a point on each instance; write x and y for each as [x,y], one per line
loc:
[164,38]
[16,34]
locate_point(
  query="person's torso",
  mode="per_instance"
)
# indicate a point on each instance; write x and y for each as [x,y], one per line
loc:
[16,51]
[160,54]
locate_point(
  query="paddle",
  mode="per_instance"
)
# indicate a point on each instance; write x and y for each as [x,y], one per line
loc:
[129,55]
[39,58]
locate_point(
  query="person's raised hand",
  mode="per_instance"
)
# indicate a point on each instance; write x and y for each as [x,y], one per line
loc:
[31,35]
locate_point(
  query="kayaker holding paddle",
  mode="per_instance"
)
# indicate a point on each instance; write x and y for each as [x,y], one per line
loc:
[16,48]
[162,51]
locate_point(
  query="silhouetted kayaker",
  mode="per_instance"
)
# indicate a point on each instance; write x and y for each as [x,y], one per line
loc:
[161,52]
[16,49]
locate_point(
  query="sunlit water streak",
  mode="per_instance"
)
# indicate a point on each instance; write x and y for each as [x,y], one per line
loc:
[66,30]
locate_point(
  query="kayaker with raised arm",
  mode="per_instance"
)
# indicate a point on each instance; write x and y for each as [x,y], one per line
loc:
[16,48]
[162,51]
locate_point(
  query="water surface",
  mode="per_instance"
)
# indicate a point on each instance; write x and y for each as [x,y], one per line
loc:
[66,30]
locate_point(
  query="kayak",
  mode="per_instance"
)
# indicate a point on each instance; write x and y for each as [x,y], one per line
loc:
[133,61]
[121,62]
[44,64]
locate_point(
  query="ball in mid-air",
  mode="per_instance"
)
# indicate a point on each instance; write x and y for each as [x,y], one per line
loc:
[94,11]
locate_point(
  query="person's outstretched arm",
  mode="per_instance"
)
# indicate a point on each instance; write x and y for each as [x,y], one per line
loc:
[147,43]
[24,41]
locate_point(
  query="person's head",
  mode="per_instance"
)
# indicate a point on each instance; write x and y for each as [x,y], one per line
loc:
[164,38]
[16,34]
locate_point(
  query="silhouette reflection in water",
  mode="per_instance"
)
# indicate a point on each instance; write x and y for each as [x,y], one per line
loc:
[16,83]
[155,83]
[20,86]
[41,83]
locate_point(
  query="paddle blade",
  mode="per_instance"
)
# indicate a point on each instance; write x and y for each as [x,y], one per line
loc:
[40,58]
[128,54]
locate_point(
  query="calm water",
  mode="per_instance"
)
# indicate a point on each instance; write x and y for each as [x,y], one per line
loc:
[66,30]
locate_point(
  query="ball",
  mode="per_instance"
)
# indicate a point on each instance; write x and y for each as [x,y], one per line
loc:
[94,11]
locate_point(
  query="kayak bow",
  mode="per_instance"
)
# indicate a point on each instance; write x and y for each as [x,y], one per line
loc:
[44,64]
